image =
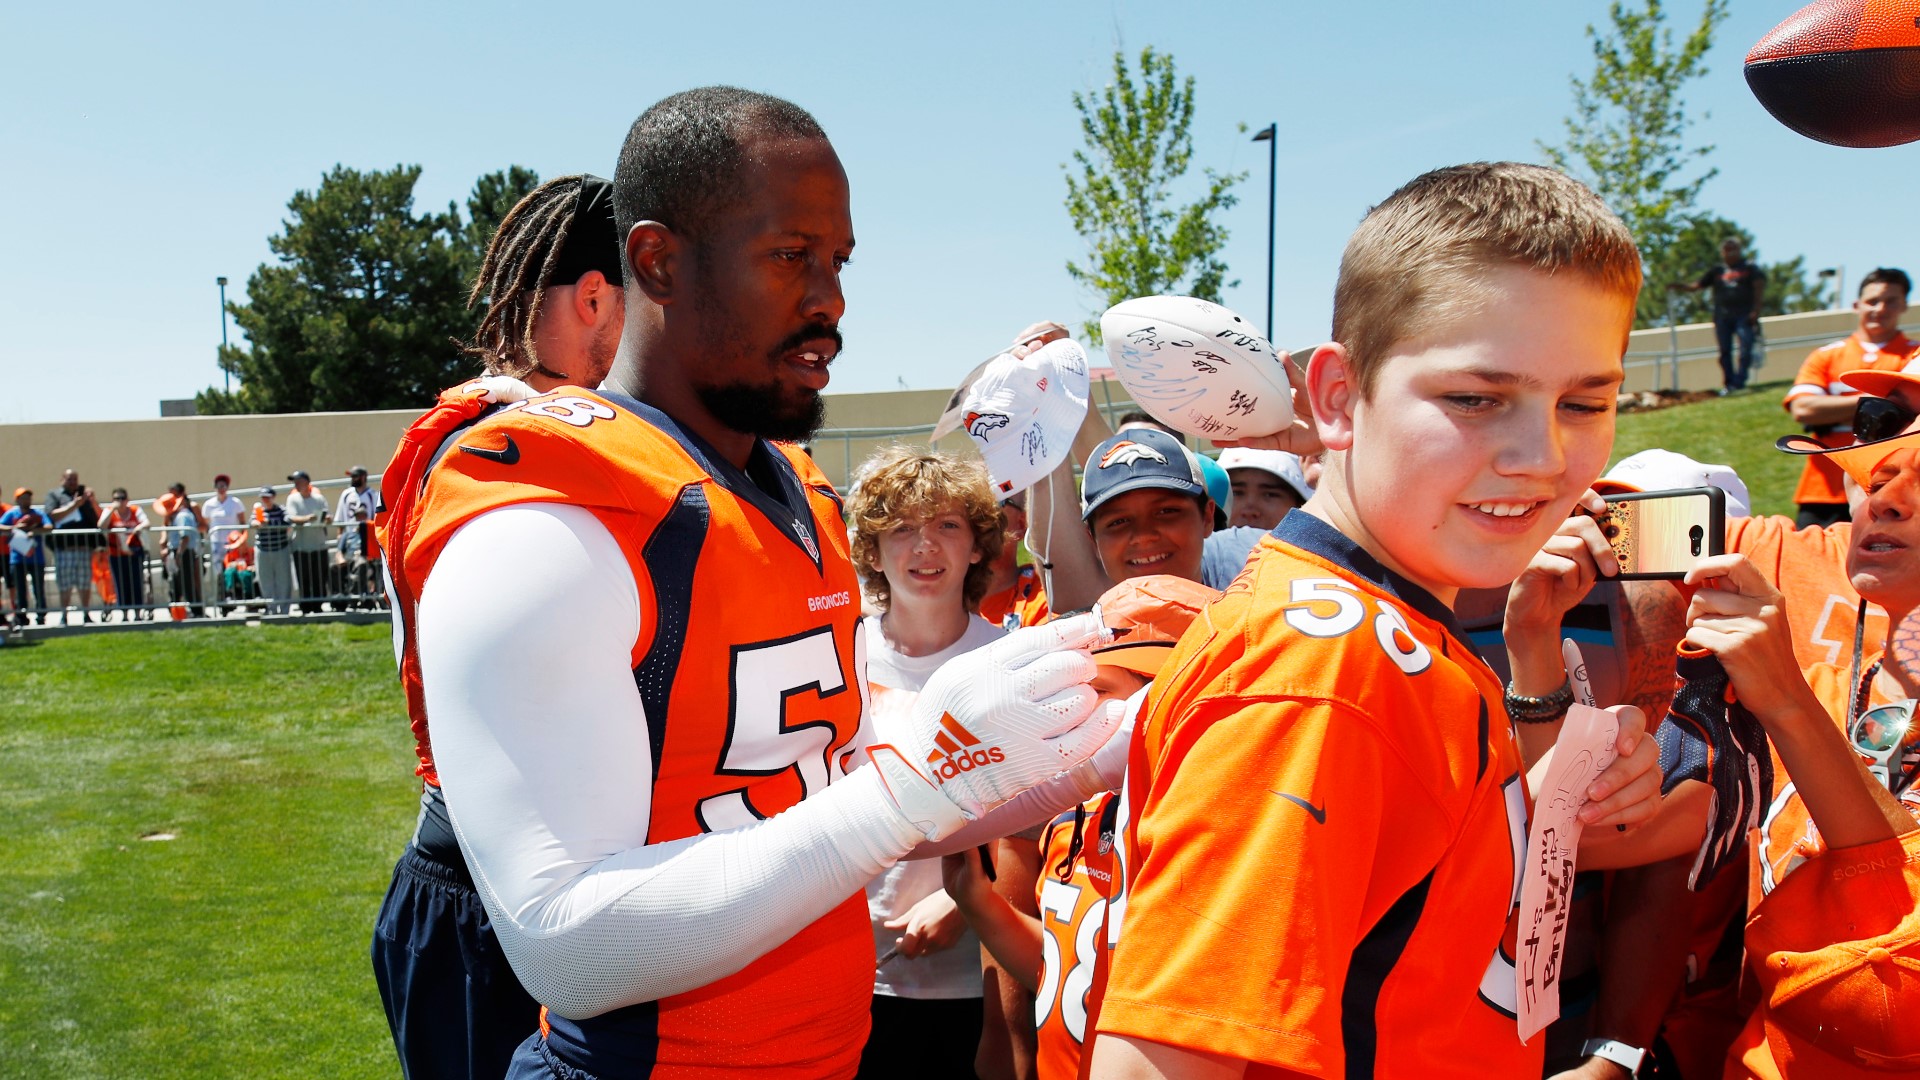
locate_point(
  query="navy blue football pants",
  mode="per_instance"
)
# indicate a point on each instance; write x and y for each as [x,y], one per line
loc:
[454,1006]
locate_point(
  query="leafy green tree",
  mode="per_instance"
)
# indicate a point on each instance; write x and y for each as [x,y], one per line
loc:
[1139,143]
[493,195]
[1627,135]
[1697,248]
[362,310]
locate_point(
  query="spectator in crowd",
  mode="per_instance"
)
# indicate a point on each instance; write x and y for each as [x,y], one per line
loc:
[1266,485]
[1050,942]
[356,569]
[180,551]
[1738,289]
[357,496]
[1824,405]
[1015,596]
[73,511]
[1145,501]
[223,514]
[237,579]
[273,559]
[126,526]
[307,513]
[25,529]
[925,529]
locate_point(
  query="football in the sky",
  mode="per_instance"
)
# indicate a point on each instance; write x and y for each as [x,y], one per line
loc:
[1845,72]
[1198,367]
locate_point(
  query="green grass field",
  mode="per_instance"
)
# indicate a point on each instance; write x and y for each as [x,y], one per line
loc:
[279,760]
[1737,431]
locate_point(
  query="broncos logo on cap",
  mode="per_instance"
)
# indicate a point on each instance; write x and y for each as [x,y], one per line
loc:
[979,423]
[1128,452]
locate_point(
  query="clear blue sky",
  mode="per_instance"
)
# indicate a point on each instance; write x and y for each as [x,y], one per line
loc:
[147,152]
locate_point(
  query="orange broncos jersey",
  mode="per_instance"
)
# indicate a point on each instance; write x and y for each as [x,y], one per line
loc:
[1024,603]
[745,664]
[1073,890]
[1809,567]
[1324,826]
[400,487]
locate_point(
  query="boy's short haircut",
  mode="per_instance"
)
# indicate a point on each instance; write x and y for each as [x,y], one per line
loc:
[1413,263]
[907,484]
[1886,275]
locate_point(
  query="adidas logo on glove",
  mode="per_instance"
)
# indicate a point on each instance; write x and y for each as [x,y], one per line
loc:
[954,753]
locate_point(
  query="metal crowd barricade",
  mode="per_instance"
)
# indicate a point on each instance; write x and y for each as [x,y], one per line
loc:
[157,573]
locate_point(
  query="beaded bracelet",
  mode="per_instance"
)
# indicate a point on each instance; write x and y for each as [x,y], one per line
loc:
[1544,709]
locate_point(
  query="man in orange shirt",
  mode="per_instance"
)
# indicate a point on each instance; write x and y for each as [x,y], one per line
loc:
[1824,405]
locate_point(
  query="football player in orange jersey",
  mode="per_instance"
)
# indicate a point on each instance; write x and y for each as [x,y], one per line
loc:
[1324,808]
[551,279]
[652,743]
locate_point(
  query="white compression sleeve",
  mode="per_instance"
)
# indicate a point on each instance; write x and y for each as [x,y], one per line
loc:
[526,627]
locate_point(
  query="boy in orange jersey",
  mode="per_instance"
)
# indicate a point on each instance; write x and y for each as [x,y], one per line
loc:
[1055,954]
[1324,809]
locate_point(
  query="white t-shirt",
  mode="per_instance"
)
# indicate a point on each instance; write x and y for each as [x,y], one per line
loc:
[222,516]
[894,681]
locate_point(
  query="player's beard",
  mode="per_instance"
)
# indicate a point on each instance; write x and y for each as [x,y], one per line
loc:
[771,409]
[765,409]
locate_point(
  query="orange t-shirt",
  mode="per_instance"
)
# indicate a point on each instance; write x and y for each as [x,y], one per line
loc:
[1073,890]
[1820,481]
[1809,567]
[1324,826]
[1791,897]
[745,667]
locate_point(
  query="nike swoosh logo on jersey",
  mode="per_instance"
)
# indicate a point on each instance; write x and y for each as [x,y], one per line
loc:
[507,455]
[1319,813]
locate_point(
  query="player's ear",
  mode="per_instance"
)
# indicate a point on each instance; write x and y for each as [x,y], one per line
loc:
[594,296]
[653,258]
[1333,389]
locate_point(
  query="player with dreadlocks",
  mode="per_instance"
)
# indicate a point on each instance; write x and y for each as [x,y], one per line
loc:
[554,312]
[555,254]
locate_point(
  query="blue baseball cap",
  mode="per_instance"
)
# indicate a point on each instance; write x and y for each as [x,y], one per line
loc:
[1136,459]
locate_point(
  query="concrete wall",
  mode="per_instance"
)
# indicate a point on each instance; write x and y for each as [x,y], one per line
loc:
[145,456]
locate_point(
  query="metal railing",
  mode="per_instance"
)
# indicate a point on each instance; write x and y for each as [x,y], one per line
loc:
[184,573]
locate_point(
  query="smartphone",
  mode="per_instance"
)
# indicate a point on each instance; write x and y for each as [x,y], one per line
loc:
[1664,534]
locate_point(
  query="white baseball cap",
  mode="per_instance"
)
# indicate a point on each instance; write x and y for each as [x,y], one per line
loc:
[1277,462]
[1024,412]
[1664,470]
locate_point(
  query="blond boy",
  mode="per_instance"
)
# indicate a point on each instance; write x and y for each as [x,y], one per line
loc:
[1325,802]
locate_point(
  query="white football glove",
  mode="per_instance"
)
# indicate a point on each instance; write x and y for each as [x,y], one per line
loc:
[499,389]
[1106,769]
[994,722]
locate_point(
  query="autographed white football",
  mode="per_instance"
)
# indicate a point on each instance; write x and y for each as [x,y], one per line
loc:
[1198,367]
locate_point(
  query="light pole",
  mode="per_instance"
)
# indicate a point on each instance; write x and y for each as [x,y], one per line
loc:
[1839,276]
[227,375]
[1270,136]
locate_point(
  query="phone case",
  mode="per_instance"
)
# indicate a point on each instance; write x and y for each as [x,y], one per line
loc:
[1623,531]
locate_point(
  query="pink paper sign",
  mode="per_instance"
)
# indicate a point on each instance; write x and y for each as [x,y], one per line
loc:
[1582,752]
